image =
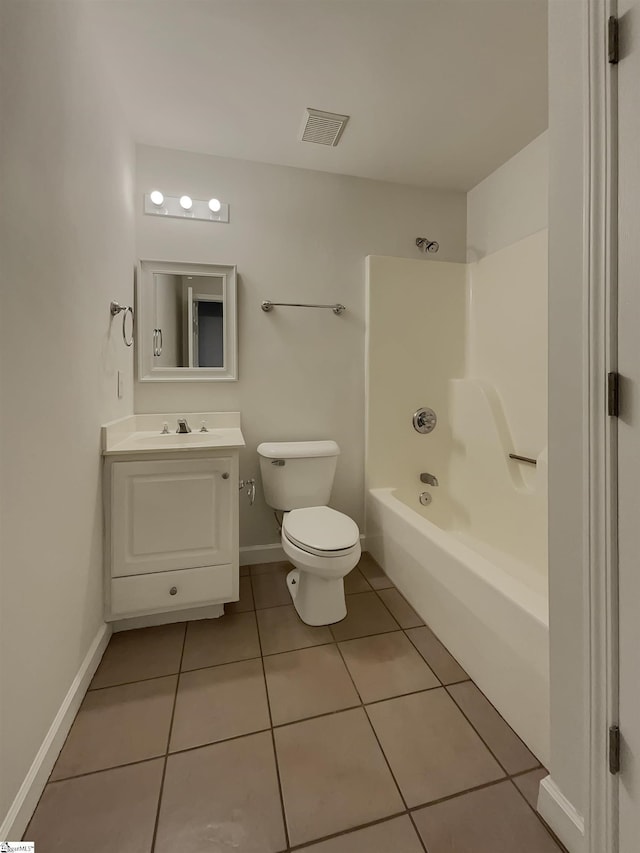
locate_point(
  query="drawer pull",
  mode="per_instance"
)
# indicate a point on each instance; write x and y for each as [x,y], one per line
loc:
[173,590]
[225,475]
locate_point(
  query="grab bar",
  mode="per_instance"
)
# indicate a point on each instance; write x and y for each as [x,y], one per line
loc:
[519,458]
[268,305]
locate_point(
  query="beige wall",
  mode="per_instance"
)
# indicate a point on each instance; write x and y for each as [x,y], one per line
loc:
[295,235]
[67,250]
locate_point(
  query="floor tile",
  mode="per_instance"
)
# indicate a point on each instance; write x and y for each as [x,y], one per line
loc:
[307,683]
[401,610]
[219,703]
[355,581]
[118,725]
[529,784]
[445,666]
[282,630]
[144,653]
[432,750]
[386,665]
[493,820]
[366,614]
[224,640]
[246,598]
[391,836]
[270,588]
[373,572]
[245,571]
[503,742]
[333,776]
[222,798]
[103,812]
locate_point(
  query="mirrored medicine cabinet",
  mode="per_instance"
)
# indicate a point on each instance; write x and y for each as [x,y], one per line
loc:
[186,326]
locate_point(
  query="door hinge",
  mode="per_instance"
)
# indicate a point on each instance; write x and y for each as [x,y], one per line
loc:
[613,40]
[614,750]
[613,394]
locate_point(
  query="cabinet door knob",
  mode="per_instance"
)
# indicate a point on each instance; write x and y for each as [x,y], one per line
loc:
[173,590]
[225,475]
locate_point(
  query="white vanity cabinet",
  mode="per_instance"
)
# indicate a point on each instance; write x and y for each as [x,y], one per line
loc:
[171,529]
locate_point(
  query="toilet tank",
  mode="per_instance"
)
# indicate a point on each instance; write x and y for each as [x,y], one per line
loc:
[297,474]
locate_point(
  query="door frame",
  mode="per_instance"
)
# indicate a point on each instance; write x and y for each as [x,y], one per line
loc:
[600,457]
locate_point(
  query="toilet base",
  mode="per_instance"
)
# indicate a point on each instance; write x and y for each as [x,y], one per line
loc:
[317,600]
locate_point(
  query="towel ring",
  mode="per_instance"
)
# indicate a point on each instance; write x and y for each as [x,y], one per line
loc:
[116,309]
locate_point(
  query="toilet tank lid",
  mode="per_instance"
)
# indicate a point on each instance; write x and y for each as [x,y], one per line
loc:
[297,449]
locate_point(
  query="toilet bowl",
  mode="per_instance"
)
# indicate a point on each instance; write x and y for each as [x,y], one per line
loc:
[324,546]
[322,543]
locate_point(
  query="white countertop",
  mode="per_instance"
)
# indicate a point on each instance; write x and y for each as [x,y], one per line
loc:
[143,433]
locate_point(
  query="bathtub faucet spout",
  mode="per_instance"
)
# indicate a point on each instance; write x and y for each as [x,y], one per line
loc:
[429,479]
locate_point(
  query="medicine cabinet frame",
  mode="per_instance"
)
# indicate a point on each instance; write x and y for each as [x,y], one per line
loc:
[145,326]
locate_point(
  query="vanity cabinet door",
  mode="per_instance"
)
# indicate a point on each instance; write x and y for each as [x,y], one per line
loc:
[170,514]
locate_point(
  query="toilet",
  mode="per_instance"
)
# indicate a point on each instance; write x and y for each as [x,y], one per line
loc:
[322,543]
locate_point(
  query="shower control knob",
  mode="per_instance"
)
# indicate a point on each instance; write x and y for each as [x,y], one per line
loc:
[425,420]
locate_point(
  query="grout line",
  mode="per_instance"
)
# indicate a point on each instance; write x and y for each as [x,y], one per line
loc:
[166,755]
[491,752]
[448,683]
[343,832]
[375,734]
[538,815]
[134,681]
[273,740]
[474,727]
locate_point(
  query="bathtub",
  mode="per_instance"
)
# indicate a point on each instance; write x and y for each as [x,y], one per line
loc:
[485,606]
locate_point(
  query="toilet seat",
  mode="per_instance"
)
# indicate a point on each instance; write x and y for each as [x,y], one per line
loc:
[321,530]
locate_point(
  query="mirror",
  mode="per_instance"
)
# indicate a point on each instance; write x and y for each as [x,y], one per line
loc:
[186,326]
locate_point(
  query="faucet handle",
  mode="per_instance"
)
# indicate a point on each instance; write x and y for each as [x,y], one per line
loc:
[203,427]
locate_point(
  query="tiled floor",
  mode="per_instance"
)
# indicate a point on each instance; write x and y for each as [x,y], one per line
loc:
[255,733]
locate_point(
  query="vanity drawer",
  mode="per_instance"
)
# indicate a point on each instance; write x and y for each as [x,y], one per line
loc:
[171,590]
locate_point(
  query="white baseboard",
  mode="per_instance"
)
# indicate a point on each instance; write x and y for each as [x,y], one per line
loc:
[561,816]
[26,800]
[250,554]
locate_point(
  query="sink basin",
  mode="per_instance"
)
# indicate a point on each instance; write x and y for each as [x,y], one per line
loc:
[176,439]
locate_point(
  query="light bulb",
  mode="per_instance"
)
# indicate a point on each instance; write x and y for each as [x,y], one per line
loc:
[185,202]
[156,197]
[214,205]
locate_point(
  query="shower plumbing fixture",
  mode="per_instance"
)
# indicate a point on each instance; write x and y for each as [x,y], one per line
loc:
[427,245]
[429,479]
[424,420]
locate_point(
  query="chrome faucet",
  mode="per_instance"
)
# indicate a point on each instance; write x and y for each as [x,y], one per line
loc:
[183,426]
[429,479]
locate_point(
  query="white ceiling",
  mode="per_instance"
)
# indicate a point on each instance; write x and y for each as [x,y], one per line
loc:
[440,92]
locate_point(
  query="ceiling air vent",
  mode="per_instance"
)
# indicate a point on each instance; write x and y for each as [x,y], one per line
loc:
[323,128]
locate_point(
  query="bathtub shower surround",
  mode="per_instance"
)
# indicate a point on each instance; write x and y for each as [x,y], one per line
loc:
[470,553]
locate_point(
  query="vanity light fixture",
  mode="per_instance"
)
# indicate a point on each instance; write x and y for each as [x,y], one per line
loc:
[185,207]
